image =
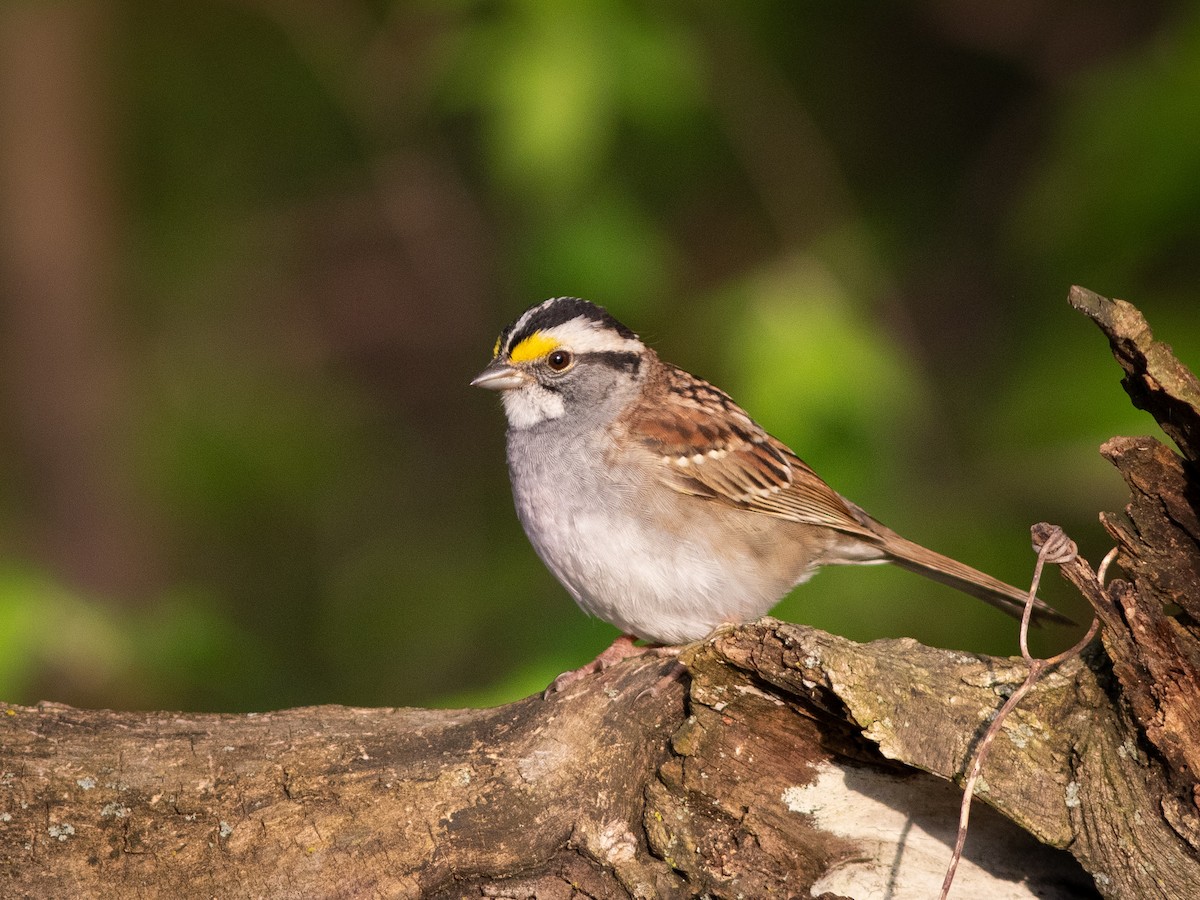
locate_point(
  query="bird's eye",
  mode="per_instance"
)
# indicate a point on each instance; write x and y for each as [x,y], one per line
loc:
[559,360]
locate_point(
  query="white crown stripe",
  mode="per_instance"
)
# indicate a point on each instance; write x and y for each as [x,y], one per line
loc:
[580,334]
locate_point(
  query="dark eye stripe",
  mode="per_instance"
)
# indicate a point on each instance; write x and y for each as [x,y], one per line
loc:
[616,359]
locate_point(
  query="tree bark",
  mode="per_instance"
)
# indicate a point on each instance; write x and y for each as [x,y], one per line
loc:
[786,763]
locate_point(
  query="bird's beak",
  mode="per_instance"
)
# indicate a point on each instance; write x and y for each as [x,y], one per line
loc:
[499,376]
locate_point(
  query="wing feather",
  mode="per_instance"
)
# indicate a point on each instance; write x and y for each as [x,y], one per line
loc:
[707,446]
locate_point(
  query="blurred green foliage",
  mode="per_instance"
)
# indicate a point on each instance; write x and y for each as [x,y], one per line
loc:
[862,220]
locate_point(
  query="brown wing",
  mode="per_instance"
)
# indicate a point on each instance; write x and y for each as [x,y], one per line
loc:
[709,447]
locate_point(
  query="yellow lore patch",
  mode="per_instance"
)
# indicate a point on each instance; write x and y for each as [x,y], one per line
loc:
[533,347]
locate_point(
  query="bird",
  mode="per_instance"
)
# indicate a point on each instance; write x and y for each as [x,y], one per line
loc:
[660,505]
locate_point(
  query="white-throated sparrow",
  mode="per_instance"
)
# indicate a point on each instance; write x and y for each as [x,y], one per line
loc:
[657,501]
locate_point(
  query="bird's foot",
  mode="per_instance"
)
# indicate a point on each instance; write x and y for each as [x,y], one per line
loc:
[622,648]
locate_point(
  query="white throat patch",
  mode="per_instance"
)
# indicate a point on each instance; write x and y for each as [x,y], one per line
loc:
[531,405]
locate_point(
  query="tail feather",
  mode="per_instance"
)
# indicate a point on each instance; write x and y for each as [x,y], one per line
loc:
[960,576]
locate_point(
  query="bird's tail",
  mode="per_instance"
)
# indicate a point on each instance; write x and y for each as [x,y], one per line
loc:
[923,561]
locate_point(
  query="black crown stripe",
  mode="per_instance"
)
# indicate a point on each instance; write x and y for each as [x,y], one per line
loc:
[558,311]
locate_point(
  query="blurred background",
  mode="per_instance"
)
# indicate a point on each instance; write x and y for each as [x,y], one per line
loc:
[252,252]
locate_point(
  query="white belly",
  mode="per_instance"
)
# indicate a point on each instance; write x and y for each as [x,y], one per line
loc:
[664,587]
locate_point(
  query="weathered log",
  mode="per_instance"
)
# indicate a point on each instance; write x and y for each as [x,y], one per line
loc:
[790,763]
